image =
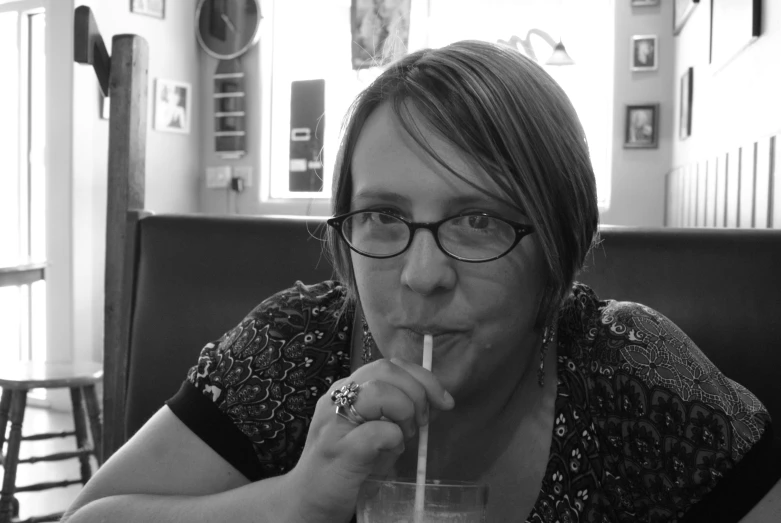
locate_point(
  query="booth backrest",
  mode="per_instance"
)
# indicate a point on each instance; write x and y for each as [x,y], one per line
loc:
[196,277]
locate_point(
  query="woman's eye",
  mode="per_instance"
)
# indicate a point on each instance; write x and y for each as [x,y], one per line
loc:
[479,222]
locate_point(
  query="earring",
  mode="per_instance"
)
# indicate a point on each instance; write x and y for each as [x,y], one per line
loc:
[547,336]
[368,341]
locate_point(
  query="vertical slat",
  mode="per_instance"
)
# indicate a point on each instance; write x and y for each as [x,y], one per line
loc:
[774,206]
[710,206]
[674,198]
[667,196]
[127,155]
[691,197]
[721,191]
[685,196]
[762,184]
[702,188]
[747,175]
[733,188]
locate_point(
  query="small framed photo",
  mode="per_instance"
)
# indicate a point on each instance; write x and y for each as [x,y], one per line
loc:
[173,106]
[644,3]
[155,8]
[642,126]
[644,53]
[687,92]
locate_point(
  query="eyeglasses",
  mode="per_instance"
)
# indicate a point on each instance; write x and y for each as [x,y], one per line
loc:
[469,237]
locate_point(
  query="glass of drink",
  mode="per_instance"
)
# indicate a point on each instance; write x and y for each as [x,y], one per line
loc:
[393,501]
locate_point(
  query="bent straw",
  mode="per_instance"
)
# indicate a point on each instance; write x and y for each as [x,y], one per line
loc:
[420,482]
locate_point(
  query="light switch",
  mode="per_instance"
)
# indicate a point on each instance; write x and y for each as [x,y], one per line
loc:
[218,177]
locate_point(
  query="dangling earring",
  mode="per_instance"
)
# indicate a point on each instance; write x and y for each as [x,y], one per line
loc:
[368,341]
[547,336]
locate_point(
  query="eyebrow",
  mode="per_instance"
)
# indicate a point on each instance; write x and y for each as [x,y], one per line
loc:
[458,201]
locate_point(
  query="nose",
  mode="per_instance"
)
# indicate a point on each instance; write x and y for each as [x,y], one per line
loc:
[427,269]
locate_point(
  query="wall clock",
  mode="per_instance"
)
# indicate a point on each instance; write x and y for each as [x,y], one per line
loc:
[227,28]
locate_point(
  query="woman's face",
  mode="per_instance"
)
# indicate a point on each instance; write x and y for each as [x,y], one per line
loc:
[481,314]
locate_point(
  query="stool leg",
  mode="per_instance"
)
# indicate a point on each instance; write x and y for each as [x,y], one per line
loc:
[80,426]
[96,427]
[18,404]
[5,409]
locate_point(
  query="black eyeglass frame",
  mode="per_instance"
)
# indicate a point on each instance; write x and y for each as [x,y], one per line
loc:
[521,230]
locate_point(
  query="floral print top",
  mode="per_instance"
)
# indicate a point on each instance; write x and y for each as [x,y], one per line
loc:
[645,425]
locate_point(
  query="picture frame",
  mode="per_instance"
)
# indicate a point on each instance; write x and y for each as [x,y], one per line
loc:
[687,96]
[734,25]
[379,34]
[173,106]
[153,8]
[644,3]
[682,10]
[643,53]
[642,126]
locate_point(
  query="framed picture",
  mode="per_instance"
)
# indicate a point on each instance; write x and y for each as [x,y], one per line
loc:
[173,106]
[380,31]
[642,126]
[682,10]
[644,3]
[643,53]
[154,8]
[735,24]
[687,91]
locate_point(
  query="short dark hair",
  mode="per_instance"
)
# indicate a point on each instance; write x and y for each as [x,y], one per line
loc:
[508,115]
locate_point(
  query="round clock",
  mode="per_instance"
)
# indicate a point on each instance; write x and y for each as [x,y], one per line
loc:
[227,28]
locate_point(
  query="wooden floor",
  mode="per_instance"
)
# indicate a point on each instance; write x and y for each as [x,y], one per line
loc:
[38,420]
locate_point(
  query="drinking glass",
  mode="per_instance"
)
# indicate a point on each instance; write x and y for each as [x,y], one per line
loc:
[393,501]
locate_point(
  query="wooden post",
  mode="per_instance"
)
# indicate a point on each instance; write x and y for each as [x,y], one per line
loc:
[126,160]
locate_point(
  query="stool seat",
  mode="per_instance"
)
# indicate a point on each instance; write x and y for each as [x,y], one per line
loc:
[33,375]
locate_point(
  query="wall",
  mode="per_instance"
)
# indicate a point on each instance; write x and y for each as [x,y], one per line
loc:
[435,24]
[736,104]
[637,195]
[172,160]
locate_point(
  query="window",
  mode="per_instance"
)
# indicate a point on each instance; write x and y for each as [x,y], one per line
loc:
[22,174]
[310,40]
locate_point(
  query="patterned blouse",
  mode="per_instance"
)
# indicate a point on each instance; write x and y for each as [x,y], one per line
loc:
[645,425]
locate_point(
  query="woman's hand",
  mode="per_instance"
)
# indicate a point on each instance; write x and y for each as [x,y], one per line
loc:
[394,397]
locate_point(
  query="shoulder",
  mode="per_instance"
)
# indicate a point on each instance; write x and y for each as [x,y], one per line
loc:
[641,342]
[279,359]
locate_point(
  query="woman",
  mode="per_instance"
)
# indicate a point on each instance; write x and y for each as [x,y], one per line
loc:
[465,204]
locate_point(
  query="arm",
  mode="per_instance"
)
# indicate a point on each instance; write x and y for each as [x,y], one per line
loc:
[768,509]
[166,473]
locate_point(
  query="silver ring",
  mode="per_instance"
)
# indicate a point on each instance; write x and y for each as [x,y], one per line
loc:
[350,414]
[346,395]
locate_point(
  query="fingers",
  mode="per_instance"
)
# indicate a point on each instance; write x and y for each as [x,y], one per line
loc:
[437,395]
[419,384]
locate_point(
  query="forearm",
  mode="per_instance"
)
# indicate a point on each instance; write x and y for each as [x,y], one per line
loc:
[258,502]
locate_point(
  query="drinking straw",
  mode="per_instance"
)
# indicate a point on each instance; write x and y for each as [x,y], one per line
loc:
[420,483]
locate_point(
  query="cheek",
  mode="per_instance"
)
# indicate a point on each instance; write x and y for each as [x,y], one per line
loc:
[373,279]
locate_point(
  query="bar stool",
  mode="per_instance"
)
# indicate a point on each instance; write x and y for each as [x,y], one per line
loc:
[16,380]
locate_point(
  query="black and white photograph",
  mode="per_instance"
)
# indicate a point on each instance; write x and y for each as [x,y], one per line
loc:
[644,53]
[172,106]
[380,31]
[154,8]
[642,126]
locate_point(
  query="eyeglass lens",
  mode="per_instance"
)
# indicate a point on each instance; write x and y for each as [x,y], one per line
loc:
[472,237]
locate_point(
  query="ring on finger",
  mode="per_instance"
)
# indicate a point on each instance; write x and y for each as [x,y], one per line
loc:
[350,414]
